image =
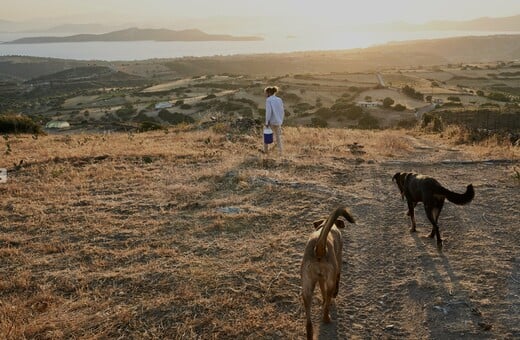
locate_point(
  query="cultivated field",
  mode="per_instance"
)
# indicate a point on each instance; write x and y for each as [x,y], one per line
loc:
[194,234]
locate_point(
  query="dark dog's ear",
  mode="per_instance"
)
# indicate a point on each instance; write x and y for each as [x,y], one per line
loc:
[396,176]
[317,224]
[340,224]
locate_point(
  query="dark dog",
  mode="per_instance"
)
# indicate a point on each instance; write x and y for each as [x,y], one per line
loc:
[418,188]
[322,263]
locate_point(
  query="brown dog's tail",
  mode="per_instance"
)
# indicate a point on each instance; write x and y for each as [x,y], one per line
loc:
[459,199]
[321,245]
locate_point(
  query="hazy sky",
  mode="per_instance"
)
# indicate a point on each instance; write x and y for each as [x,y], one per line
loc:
[291,12]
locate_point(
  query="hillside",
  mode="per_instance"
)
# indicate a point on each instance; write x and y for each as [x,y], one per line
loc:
[402,54]
[195,234]
[136,34]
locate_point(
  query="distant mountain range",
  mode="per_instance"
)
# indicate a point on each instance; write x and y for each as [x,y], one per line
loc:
[504,24]
[138,34]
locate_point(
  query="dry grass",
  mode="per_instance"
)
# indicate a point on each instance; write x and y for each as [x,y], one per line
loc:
[180,235]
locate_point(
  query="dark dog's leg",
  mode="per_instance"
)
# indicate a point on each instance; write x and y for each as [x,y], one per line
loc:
[411,207]
[432,212]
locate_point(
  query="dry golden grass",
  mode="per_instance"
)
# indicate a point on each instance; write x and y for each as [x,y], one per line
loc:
[182,235]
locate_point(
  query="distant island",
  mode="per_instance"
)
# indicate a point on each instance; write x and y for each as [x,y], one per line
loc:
[138,34]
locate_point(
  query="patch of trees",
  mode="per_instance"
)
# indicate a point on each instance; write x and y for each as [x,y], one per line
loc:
[411,92]
[126,112]
[10,123]
[499,97]
[367,121]
[175,117]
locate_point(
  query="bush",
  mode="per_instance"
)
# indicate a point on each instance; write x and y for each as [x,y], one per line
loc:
[185,106]
[499,97]
[411,92]
[175,118]
[209,96]
[324,112]
[407,123]
[318,122]
[387,102]
[10,123]
[354,112]
[150,126]
[368,122]
[454,98]
[126,111]
[399,107]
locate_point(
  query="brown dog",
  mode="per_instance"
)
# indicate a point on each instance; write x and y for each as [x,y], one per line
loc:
[418,188]
[322,263]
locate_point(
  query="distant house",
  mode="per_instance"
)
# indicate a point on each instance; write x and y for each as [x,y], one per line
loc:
[163,105]
[368,104]
[437,101]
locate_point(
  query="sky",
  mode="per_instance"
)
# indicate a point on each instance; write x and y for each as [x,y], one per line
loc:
[277,14]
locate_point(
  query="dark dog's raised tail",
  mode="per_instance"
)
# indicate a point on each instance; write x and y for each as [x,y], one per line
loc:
[321,244]
[459,199]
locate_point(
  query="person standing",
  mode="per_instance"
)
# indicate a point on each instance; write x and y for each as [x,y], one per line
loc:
[274,114]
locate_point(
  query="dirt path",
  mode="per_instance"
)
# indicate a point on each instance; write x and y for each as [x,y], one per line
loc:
[396,284]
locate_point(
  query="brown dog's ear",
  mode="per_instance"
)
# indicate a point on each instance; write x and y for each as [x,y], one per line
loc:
[340,224]
[396,176]
[317,224]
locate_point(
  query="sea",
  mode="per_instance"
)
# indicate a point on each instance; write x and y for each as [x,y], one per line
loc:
[142,50]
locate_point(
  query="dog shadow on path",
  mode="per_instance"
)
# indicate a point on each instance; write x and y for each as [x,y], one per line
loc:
[330,330]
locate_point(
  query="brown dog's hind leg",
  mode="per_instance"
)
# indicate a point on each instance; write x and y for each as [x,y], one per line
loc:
[326,295]
[307,291]
[336,290]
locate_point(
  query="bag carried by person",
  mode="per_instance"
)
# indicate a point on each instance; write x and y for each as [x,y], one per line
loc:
[268,135]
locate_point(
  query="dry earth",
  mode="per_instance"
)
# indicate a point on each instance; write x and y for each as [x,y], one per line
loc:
[196,235]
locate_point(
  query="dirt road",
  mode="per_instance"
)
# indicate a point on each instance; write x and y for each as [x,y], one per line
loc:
[397,284]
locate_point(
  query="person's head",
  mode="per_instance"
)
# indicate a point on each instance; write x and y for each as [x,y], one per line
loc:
[270,90]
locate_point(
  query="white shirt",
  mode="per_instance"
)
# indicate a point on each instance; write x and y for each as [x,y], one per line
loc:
[274,112]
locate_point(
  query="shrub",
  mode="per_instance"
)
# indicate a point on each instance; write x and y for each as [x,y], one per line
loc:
[209,96]
[368,122]
[499,97]
[399,107]
[354,112]
[411,92]
[324,112]
[126,111]
[150,126]
[10,123]
[175,118]
[387,102]
[318,122]
[185,106]
[454,98]
[407,123]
